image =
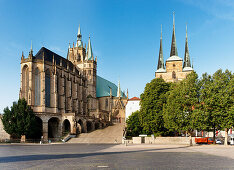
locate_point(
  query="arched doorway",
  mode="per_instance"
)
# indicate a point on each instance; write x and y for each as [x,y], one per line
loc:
[97,125]
[66,127]
[53,128]
[81,125]
[89,126]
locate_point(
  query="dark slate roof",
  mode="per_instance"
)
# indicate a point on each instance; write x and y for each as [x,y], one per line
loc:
[48,56]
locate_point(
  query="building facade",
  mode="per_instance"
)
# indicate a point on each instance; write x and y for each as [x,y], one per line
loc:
[176,69]
[132,106]
[67,95]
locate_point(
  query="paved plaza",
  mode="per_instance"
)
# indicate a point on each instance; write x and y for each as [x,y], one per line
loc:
[103,156]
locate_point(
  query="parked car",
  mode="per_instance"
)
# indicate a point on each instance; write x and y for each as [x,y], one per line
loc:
[218,141]
[205,140]
[231,139]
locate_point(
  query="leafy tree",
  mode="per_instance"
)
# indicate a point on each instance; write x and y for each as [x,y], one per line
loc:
[19,119]
[152,100]
[181,102]
[133,124]
[216,105]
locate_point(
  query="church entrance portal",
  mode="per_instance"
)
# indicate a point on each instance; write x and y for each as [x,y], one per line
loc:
[81,126]
[89,126]
[66,127]
[53,128]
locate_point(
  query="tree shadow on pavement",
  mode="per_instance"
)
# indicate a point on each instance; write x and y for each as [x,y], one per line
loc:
[22,158]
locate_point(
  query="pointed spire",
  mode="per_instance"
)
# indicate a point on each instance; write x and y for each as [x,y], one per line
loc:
[79,38]
[31,46]
[119,90]
[127,93]
[160,57]
[187,62]
[89,51]
[173,43]
[31,50]
[22,57]
[69,45]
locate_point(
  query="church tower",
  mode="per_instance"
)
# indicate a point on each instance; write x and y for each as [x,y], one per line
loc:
[176,69]
[84,60]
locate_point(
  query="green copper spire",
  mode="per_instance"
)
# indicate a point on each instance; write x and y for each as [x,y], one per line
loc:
[187,62]
[79,38]
[173,43]
[89,50]
[160,57]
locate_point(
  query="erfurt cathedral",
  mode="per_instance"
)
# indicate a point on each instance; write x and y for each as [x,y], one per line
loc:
[176,69]
[66,94]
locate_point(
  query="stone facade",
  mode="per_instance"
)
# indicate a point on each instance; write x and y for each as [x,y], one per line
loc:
[63,92]
[174,72]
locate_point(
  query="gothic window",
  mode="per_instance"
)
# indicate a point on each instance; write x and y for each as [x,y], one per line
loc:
[65,93]
[173,75]
[161,76]
[58,94]
[37,87]
[106,104]
[25,81]
[47,88]
[89,72]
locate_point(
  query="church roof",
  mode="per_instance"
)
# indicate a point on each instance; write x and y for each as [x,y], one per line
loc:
[174,58]
[134,98]
[48,56]
[187,69]
[103,88]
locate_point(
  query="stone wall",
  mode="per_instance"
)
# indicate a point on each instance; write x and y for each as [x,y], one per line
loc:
[164,140]
[3,134]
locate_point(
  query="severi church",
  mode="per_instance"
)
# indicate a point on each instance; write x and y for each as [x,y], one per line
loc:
[66,94]
[176,69]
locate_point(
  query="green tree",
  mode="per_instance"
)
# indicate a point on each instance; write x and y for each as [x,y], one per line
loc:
[19,119]
[217,101]
[152,101]
[181,103]
[133,124]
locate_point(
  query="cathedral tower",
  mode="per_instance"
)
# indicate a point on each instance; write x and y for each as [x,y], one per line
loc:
[176,69]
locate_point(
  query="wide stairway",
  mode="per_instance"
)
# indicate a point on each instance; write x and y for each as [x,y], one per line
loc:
[110,134]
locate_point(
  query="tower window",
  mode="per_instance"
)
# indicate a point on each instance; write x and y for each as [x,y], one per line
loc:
[173,75]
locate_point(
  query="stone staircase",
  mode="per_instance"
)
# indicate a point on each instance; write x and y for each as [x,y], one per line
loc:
[110,134]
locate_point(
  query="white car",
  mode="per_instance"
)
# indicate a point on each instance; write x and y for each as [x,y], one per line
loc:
[218,141]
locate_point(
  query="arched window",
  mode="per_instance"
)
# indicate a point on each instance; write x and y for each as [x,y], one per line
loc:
[25,82]
[47,88]
[37,94]
[173,75]
[106,104]
[58,94]
[65,93]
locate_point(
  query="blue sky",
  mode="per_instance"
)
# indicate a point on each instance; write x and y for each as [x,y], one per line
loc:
[125,36]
